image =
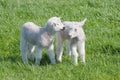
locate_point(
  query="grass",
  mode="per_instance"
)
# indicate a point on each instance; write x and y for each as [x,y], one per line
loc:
[102,44]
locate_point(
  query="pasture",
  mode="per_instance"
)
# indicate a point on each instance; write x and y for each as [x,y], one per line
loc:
[102,31]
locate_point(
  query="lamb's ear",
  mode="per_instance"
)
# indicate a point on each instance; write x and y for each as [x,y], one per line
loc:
[59,17]
[54,24]
[83,22]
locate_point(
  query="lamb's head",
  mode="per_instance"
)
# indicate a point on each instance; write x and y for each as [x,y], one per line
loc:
[55,24]
[74,29]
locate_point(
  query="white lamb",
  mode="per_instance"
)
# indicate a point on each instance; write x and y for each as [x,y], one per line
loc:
[75,37]
[32,36]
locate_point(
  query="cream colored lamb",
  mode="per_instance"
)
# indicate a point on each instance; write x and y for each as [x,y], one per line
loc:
[75,37]
[33,36]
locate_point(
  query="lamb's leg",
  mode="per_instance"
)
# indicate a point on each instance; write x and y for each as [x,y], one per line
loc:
[81,49]
[74,54]
[68,51]
[38,55]
[51,54]
[59,48]
[31,49]
[23,45]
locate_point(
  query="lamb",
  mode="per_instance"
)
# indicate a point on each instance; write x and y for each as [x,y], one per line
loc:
[75,37]
[35,37]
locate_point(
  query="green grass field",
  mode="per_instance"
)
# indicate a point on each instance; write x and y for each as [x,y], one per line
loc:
[102,44]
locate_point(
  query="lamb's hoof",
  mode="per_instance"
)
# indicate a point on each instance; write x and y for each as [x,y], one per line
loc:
[59,61]
[54,62]
[25,62]
[83,62]
[75,63]
[37,63]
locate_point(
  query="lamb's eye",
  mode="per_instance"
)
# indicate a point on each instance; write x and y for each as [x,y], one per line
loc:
[58,24]
[75,30]
[55,24]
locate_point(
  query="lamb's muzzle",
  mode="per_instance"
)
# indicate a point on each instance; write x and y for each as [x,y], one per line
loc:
[63,29]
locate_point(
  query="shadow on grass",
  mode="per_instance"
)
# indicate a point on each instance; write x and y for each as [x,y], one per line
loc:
[11,58]
[17,59]
[110,49]
[45,60]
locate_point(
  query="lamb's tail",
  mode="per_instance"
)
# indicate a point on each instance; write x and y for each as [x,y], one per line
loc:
[83,22]
[23,46]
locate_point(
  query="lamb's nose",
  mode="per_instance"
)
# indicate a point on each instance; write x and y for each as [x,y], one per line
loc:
[63,28]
